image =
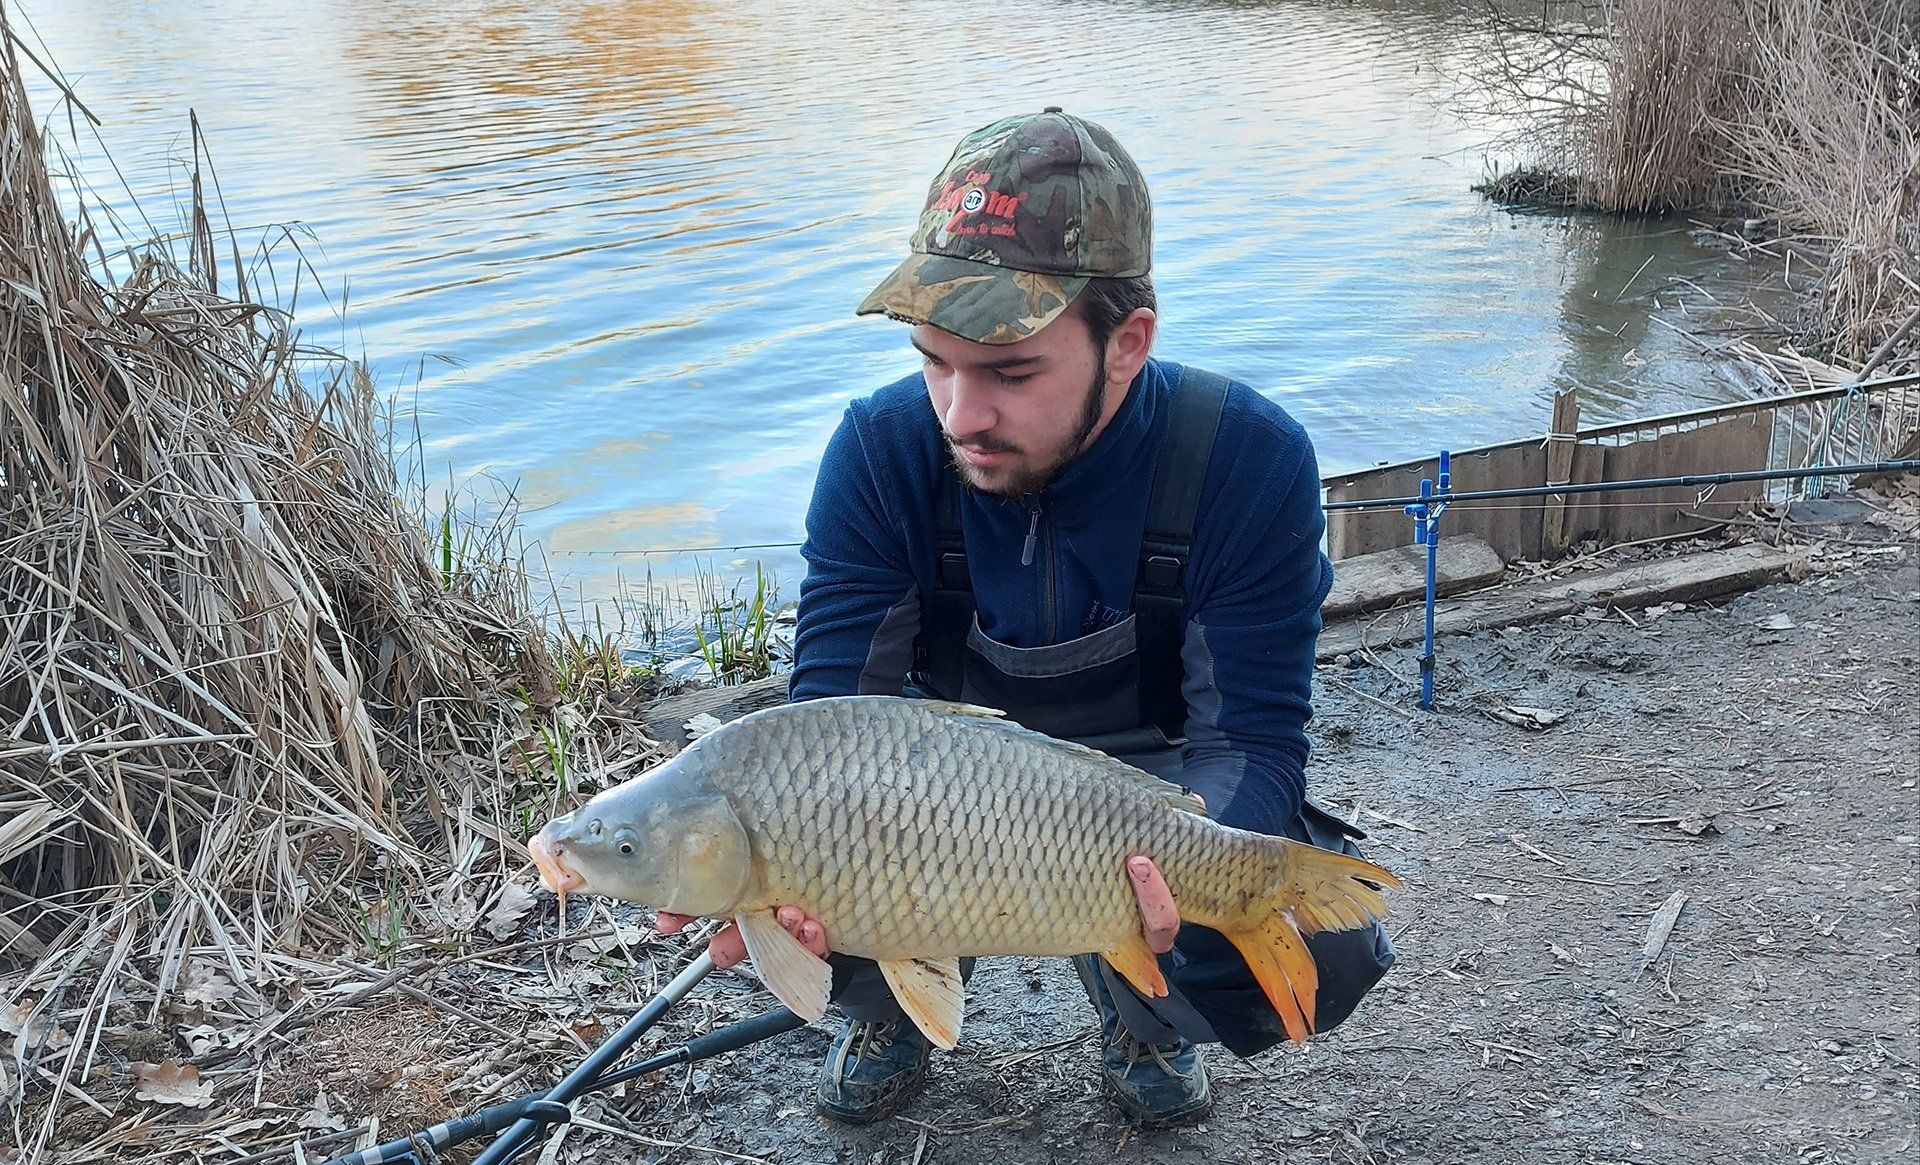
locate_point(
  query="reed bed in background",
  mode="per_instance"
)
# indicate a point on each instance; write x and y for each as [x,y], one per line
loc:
[1799,117]
[1828,148]
[255,714]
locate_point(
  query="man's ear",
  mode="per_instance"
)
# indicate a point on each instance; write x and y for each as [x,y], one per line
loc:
[1127,348]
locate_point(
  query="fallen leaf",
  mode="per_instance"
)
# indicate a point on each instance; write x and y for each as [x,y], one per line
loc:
[203,985]
[514,902]
[452,911]
[1660,927]
[701,724]
[589,1029]
[203,1038]
[320,1118]
[1528,717]
[1494,899]
[170,1082]
[623,936]
[1560,954]
[33,1032]
[1777,623]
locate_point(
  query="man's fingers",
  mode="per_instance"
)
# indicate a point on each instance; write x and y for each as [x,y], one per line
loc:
[727,949]
[1159,917]
[808,930]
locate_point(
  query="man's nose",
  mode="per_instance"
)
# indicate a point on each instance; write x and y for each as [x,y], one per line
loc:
[970,410]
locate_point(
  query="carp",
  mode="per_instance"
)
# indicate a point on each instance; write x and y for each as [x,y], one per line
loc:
[919,831]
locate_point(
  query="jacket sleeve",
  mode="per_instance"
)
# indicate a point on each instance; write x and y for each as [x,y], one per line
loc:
[1248,649]
[859,608]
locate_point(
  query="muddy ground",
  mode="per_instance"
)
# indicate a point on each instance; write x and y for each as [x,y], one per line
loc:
[1765,770]
[1757,756]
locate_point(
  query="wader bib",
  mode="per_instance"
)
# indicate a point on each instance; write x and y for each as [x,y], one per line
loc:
[1118,690]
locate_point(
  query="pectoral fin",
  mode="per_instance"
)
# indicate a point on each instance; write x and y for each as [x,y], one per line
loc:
[1135,961]
[930,992]
[797,977]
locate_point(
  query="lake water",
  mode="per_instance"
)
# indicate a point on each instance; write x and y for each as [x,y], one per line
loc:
[611,250]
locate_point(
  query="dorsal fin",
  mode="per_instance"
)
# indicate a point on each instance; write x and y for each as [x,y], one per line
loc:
[956,708]
[1173,795]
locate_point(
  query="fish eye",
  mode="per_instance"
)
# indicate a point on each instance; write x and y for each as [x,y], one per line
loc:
[625,841]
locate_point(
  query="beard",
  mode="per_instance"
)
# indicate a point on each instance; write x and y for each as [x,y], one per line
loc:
[1023,482]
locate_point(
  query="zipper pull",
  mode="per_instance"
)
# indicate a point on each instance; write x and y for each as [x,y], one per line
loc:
[1033,535]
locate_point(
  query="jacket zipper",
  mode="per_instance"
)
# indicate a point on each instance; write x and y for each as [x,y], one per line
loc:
[1053,622]
[1026,559]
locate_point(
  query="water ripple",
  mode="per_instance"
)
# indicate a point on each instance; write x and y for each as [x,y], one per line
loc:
[635,232]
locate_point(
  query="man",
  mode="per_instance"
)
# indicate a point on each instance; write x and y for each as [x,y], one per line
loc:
[1113,549]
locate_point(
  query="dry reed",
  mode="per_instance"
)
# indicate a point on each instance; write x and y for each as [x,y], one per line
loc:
[252,709]
[1800,117]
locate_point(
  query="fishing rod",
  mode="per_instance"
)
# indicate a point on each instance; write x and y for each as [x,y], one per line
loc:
[519,1122]
[1592,487]
[1384,503]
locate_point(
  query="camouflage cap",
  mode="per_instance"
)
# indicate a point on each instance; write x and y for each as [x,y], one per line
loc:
[1026,211]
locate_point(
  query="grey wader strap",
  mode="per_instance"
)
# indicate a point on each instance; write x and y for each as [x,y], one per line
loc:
[940,649]
[1159,589]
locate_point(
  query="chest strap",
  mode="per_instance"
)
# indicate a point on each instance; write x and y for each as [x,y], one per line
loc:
[1166,545]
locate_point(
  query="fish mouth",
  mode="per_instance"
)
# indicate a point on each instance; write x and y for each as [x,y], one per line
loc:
[555,874]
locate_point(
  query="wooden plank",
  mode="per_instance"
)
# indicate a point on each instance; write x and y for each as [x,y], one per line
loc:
[1560,446]
[1735,444]
[1352,533]
[1621,511]
[1586,521]
[666,720]
[1386,577]
[1695,576]
[1512,529]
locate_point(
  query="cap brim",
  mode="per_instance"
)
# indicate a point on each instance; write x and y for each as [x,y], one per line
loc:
[982,302]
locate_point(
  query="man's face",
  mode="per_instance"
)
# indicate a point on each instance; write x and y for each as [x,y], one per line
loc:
[1015,414]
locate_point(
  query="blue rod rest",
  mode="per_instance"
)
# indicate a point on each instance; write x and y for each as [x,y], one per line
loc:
[1426,532]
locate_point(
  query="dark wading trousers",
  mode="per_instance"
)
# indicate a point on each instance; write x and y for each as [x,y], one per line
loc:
[1212,996]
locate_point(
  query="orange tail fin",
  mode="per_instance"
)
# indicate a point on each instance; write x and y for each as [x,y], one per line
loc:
[1318,890]
[1285,969]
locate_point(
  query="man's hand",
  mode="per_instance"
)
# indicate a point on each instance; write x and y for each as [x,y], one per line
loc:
[728,949]
[1159,917]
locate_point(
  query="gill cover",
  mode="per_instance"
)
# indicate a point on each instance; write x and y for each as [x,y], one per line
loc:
[712,858]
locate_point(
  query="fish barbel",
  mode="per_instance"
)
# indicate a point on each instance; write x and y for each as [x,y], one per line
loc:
[918,831]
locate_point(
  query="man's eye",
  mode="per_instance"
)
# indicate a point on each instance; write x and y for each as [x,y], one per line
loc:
[1005,378]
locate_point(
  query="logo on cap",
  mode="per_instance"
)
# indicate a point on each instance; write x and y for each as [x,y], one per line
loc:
[975,199]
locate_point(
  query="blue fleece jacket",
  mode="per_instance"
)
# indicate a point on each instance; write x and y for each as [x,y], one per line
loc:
[1254,584]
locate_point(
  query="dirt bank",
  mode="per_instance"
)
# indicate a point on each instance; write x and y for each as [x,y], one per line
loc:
[1758,757]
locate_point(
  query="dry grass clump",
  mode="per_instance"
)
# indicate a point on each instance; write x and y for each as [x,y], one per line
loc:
[1827,146]
[253,713]
[1652,144]
[1801,117]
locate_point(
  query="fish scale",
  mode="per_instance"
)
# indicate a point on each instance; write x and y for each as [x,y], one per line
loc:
[917,831]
